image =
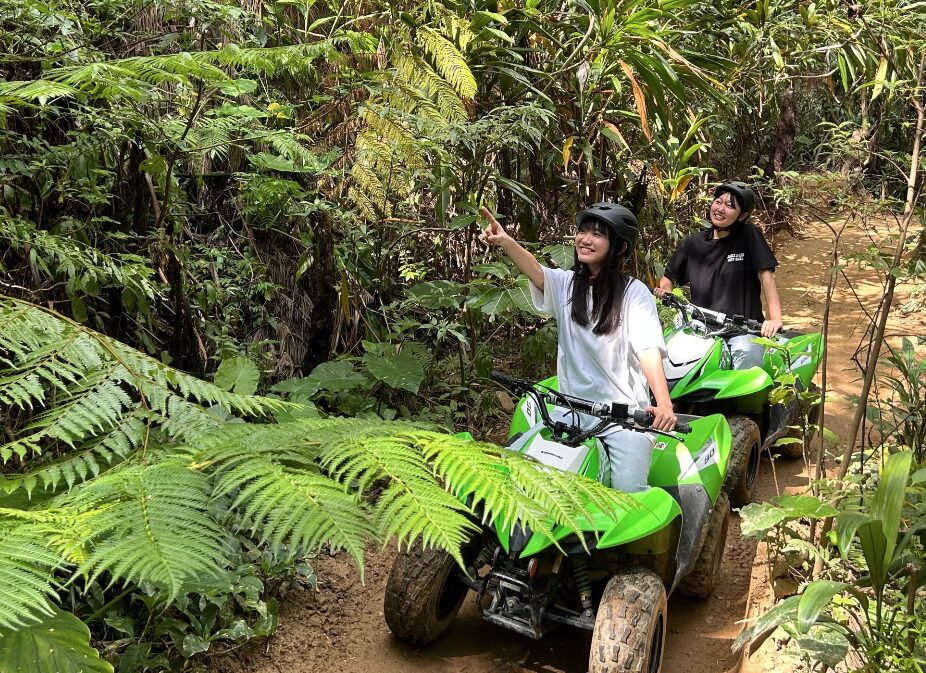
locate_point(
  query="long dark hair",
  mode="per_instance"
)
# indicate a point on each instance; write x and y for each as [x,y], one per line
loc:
[607,287]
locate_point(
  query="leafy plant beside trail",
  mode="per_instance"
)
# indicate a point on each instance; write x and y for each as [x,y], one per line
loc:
[152,506]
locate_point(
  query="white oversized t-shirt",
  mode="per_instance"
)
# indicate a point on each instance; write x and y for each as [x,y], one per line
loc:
[601,368]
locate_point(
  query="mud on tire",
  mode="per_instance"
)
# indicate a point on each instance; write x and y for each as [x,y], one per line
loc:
[630,629]
[745,459]
[702,579]
[423,594]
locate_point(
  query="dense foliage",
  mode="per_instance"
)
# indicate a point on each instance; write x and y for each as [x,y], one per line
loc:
[282,196]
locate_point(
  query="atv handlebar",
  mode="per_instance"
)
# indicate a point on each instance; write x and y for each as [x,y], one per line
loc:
[645,419]
[613,411]
[736,323]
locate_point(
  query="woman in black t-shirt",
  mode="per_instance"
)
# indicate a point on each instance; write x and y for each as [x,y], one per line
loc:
[729,267]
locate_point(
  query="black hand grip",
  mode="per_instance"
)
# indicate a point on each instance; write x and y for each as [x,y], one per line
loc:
[509,381]
[669,299]
[645,419]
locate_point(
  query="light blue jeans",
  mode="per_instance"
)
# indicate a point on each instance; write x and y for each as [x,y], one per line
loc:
[629,452]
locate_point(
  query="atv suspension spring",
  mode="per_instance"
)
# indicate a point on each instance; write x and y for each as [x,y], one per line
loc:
[583,583]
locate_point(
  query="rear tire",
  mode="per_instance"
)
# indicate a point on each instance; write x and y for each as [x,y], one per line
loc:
[423,594]
[702,579]
[630,629]
[745,459]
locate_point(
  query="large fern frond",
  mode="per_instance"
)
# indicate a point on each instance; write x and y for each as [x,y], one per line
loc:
[94,396]
[26,565]
[149,523]
[448,61]
[279,492]
[415,71]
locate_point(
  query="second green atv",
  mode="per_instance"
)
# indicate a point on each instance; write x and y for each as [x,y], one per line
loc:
[616,583]
[702,380]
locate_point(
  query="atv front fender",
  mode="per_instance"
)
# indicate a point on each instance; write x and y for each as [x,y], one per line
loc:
[656,510]
[733,383]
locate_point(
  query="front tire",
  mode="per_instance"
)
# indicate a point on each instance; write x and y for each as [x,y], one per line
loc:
[745,459]
[630,629]
[423,594]
[702,579]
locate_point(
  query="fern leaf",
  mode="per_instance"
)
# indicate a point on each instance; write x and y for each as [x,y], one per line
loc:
[149,523]
[448,61]
[26,565]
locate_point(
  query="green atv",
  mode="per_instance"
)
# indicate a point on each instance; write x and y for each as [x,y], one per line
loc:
[615,585]
[699,369]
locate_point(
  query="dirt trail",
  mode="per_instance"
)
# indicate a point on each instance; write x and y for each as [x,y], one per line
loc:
[341,627]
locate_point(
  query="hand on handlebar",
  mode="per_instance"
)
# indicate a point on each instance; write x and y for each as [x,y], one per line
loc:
[663,417]
[770,327]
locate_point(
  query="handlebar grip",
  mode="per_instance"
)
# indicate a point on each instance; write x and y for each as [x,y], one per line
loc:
[509,381]
[645,419]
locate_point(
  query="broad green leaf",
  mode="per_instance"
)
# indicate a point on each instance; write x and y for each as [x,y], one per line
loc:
[336,376]
[402,370]
[815,597]
[804,507]
[765,625]
[562,255]
[238,375]
[60,643]
[874,547]
[521,296]
[758,518]
[438,294]
[193,644]
[847,523]
[491,302]
[825,645]
[889,498]
[304,387]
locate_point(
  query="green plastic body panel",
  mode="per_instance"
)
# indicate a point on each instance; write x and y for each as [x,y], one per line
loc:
[656,510]
[701,459]
[748,388]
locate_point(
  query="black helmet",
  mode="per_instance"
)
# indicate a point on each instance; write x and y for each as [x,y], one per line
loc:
[742,193]
[622,222]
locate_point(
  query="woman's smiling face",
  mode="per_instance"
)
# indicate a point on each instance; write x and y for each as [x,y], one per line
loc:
[592,244]
[724,212]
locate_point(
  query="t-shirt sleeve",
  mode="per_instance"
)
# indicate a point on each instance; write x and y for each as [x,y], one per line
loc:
[677,268]
[760,253]
[644,330]
[555,285]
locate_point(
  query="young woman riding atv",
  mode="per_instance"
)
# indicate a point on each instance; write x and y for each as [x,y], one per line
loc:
[600,356]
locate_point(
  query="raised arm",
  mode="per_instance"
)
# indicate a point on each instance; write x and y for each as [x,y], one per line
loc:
[495,234]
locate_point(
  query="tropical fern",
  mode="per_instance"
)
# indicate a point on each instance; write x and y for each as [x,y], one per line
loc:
[134,77]
[26,565]
[94,396]
[153,485]
[448,61]
[148,523]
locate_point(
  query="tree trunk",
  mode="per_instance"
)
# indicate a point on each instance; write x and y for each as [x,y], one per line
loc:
[784,132]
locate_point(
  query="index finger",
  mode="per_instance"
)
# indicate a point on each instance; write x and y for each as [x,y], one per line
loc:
[486,213]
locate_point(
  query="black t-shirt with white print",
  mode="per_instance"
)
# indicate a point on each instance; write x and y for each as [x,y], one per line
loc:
[724,272]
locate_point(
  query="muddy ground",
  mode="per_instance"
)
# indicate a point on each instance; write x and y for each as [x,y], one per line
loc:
[340,627]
